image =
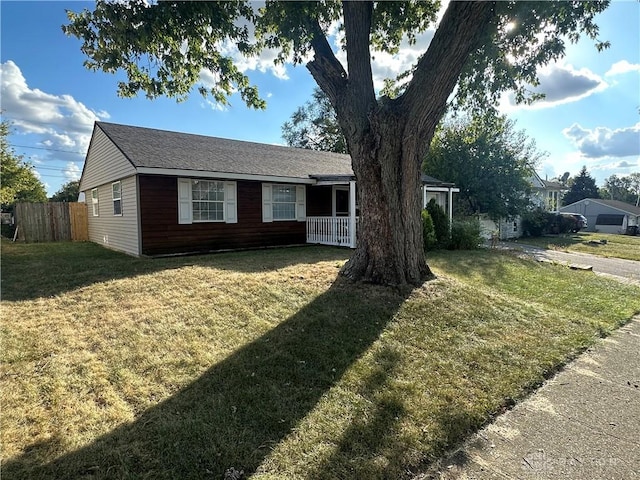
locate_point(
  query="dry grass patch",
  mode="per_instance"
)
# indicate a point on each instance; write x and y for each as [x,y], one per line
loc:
[264,361]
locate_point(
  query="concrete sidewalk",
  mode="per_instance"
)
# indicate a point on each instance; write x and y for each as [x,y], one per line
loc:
[583,424]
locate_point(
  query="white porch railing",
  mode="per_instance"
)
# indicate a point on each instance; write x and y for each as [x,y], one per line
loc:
[329,231]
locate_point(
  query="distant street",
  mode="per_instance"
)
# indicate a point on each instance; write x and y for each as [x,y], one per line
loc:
[625,269]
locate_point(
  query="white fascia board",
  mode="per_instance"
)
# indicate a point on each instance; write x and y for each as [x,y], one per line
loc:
[223,175]
[442,189]
[324,183]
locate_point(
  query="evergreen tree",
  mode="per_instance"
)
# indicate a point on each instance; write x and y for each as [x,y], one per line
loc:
[582,186]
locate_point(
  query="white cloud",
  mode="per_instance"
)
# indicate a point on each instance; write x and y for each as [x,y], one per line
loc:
[560,83]
[60,121]
[264,62]
[72,171]
[605,142]
[622,165]
[622,67]
[385,65]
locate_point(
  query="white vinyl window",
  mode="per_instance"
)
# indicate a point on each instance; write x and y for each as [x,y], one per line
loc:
[206,201]
[283,202]
[116,189]
[94,202]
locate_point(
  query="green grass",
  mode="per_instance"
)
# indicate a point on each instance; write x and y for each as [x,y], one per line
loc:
[618,246]
[268,362]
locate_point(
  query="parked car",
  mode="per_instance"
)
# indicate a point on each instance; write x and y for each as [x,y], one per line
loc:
[570,222]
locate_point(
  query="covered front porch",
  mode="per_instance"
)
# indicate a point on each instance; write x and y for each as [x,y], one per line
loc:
[340,227]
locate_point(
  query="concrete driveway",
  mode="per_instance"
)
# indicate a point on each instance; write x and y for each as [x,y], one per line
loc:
[626,270]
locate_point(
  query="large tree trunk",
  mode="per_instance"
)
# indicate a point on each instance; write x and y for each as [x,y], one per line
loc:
[388,139]
[389,248]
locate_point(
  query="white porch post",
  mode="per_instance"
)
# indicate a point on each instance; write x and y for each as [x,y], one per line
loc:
[352,213]
[450,207]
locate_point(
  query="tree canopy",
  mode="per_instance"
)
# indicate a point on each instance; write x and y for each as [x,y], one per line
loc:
[583,185]
[488,159]
[315,126]
[624,188]
[18,183]
[68,192]
[482,47]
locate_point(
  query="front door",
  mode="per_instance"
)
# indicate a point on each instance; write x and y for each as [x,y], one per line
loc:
[341,201]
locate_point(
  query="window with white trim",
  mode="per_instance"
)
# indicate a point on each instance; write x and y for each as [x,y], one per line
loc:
[94,202]
[281,202]
[116,190]
[206,201]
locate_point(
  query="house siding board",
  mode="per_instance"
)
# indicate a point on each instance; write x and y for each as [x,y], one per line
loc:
[118,232]
[161,233]
[105,163]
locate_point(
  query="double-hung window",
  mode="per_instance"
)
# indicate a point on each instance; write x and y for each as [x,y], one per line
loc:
[283,202]
[94,202]
[116,188]
[206,201]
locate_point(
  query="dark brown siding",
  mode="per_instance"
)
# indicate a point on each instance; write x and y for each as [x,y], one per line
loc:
[161,233]
[319,201]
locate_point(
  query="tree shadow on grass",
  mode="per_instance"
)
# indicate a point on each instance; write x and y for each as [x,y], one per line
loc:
[233,414]
[42,270]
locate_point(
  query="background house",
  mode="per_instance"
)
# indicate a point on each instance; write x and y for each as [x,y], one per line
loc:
[154,192]
[606,216]
[545,194]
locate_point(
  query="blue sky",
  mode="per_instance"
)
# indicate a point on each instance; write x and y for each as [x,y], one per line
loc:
[591,116]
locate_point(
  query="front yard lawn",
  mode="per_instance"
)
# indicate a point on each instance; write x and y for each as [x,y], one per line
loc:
[617,246]
[267,362]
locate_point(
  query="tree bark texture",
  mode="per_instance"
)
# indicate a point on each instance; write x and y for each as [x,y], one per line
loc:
[387,139]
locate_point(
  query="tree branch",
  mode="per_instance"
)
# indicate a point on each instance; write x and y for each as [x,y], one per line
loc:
[357,26]
[460,32]
[325,68]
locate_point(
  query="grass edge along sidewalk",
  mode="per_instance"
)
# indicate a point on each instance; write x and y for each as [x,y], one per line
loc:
[267,362]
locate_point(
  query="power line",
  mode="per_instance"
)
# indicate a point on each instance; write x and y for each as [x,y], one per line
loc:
[58,169]
[47,149]
[56,176]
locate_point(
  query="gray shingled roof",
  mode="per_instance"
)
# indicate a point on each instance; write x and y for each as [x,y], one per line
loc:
[626,207]
[151,148]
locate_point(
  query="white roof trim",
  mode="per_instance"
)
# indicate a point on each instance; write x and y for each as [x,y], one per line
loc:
[441,189]
[223,175]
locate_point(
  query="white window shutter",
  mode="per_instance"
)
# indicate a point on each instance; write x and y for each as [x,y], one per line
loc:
[184,201]
[267,208]
[301,206]
[230,202]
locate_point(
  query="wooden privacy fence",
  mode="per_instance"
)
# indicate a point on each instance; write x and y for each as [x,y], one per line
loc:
[52,222]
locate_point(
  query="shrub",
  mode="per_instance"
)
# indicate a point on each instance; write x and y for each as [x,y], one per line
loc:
[536,222]
[429,240]
[465,234]
[440,223]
